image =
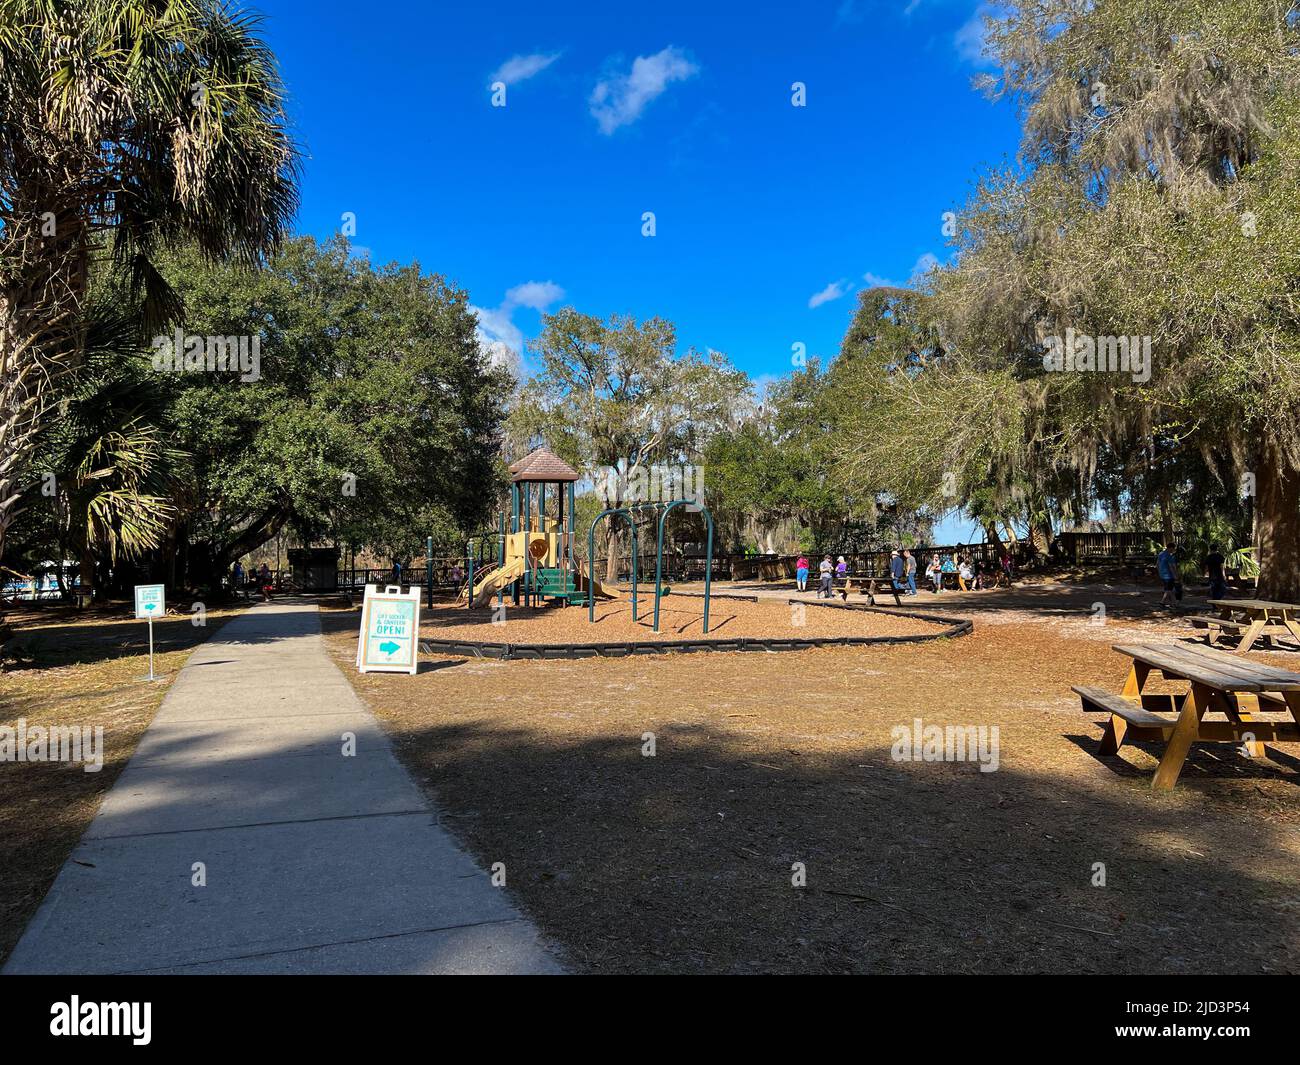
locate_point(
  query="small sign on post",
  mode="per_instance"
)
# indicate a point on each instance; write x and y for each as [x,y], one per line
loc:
[150,603]
[390,631]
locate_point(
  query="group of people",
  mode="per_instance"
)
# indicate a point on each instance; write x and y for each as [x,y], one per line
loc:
[261,578]
[1167,566]
[971,573]
[828,573]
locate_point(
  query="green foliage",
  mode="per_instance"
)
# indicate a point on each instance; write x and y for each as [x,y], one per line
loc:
[1158,197]
[128,126]
[616,393]
[375,420]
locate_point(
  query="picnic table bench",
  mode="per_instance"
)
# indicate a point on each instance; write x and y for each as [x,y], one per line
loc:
[1218,682]
[1250,619]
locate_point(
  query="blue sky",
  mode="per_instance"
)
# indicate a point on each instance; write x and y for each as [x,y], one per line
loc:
[768,217]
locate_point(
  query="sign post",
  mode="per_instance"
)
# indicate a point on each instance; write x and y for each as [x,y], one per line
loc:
[150,602]
[390,630]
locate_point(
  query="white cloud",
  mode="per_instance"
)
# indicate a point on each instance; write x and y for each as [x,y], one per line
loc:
[619,100]
[522,67]
[923,266]
[833,291]
[498,336]
[535,294]
[970,39]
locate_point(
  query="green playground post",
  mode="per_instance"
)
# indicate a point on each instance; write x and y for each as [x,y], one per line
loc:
[514,528]
[659,555]
[572,526]
[469,591]
[501,591]
[528,528]
[428,571]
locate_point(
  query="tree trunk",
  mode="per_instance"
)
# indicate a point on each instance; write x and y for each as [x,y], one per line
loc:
[611,561]
[1277,525]
[1166,517]
[86,571]
[260,531]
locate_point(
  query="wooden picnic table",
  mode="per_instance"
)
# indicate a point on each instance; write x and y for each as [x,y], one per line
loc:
[1251,618]
[1241,690]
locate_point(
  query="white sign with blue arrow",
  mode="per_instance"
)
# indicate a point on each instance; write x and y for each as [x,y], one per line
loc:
[150,603]
[390,631]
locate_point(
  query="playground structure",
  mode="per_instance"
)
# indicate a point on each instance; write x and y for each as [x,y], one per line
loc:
[535,559]
[536,563]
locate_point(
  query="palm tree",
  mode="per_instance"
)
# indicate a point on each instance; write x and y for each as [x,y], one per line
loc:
[125,126]
[114,499]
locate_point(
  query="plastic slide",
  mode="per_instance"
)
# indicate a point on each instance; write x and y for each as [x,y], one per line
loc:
[497,579]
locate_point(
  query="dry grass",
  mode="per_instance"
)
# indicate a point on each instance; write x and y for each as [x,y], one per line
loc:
[682,862]
[84,669]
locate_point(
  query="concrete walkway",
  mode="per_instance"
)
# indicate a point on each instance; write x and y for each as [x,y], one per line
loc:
[315,862]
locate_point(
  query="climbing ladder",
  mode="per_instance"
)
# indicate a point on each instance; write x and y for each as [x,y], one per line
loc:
[556,583]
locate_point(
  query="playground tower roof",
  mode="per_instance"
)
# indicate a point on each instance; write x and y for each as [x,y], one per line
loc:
[542,465]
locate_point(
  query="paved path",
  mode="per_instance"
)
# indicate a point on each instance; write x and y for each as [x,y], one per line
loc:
[315,862]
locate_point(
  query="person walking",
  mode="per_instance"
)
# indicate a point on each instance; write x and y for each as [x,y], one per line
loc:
[826,572]
[898,572]
[935,570]
[909,562]
[1167,568]
[1214,570]
[237,579]
[264,581]
[801,573]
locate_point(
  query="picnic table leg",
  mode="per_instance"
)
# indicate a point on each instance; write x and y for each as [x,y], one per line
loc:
[1195,704]
[1113,737]
[1293,626]
[1238,716]
[1249,637]
[1293,704]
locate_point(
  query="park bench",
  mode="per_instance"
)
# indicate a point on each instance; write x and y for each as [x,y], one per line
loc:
[1217,682]
[1254,618]
[871,587]
[1215,627]
[1098,700]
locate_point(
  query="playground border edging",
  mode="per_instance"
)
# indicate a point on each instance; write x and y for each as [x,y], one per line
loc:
[954,627]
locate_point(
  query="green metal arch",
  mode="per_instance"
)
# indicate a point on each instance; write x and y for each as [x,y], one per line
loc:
[591,562]
[659,553]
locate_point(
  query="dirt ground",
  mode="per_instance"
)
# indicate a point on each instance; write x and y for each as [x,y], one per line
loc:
[86,669]
[768,763]
[680,617]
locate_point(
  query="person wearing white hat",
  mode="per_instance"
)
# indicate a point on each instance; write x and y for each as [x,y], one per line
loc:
[897,571]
